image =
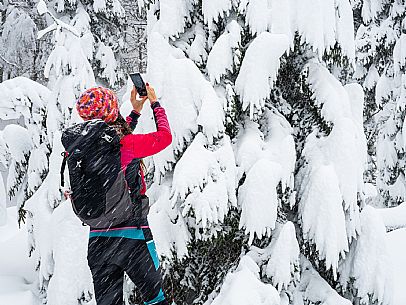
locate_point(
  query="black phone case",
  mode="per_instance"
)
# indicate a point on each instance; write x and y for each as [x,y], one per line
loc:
[139,84]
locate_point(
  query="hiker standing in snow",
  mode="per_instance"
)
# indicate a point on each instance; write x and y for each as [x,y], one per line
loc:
[108,192]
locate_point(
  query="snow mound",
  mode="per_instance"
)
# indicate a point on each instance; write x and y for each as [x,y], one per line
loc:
[17,276]
[244,287]
[257,14]
[14,260]
[343,107]
[68,230]
[61,246]
[370,10]
[193,168]
[395,217]
[321,24]
[397,250]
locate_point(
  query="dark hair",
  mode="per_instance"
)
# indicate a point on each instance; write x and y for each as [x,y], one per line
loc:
[121,126]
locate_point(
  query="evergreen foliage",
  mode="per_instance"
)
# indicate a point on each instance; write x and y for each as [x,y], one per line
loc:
[265,66]
[261,197]
[377,36]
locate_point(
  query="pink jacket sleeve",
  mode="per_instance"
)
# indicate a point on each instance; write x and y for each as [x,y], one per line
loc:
[143,145]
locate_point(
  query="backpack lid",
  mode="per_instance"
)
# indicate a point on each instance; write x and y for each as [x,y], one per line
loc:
[84,135]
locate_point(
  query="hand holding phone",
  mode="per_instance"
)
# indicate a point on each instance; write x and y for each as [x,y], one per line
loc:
[137,104]
[151,94]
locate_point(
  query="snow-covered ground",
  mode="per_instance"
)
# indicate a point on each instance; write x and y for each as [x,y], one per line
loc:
[397,249]
[17,270]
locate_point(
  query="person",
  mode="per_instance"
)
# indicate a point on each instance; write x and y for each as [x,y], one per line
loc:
[128,247]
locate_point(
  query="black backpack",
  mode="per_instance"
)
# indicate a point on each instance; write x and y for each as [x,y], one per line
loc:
[101,195]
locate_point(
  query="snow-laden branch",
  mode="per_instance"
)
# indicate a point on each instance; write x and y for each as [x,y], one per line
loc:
[8,62]
[268,161]
[367,264]
[394,218]
[222,55]
[259,69]
[58,24]
[23,97]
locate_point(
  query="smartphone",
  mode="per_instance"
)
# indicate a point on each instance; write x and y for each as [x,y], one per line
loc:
[139,84]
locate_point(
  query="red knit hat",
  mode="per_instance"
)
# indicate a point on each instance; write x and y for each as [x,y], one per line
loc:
[98,103]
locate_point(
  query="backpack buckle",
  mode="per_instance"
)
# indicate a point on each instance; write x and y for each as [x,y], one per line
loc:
[106,137]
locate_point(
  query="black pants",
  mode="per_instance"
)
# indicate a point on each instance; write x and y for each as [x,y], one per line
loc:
[109,257]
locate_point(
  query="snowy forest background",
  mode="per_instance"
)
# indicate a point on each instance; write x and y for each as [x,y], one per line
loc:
[285,180]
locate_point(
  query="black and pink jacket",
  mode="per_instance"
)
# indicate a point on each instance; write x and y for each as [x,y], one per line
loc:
[136,146]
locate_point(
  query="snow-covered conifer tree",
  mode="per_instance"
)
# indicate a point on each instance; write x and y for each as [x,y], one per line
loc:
[21,54]
[17,43]
[381,69]
[272,76]
[25,148]
[260,197]
[57,239]
[105,19]
[134,53]
[82,35]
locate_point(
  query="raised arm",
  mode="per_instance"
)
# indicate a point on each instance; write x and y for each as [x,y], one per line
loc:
[132,119]
[143,145]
